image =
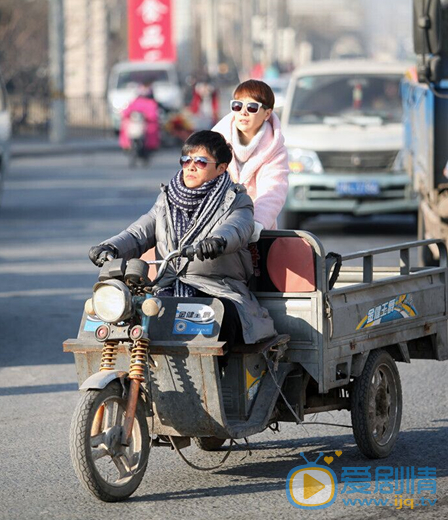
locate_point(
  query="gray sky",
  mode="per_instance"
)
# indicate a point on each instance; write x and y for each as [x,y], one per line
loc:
[389,26]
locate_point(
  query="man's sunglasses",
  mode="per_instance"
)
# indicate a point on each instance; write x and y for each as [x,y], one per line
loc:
[200,162]
[252,107]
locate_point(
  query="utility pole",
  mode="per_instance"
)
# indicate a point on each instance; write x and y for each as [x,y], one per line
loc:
[56,55]
[272,30]
[246,38]
[210,36]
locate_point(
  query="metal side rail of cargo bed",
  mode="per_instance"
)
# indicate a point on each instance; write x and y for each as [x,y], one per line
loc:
[401,309]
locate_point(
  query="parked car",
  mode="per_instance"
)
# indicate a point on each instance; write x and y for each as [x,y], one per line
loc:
[5,133]
[342,123]
[127,77]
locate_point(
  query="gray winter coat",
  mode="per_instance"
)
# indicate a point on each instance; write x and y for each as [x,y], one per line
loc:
[223,277]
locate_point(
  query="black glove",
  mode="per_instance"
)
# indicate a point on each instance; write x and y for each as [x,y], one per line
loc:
[210,248]
[99,254]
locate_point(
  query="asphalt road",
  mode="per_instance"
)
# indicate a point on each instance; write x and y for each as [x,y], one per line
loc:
[53,209]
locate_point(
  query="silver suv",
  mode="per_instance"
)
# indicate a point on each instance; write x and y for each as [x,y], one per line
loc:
[342,123]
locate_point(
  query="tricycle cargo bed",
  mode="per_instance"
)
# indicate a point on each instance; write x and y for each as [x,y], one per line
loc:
[401,309]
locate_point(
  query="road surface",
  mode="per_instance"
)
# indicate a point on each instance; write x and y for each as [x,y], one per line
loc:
[53,209]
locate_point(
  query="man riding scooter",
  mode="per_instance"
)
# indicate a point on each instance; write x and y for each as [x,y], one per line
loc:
[140,128]
[203,208]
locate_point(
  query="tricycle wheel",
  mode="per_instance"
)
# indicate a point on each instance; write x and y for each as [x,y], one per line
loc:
[106,468]
[376,405]
[209,443]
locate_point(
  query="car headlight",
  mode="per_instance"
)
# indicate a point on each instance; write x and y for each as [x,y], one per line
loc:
[304,161]
[112,301]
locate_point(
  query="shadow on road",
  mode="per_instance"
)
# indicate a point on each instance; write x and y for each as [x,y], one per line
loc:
[418,448]
[38,389]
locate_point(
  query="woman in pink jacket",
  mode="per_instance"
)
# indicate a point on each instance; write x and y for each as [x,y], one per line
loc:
[260,158]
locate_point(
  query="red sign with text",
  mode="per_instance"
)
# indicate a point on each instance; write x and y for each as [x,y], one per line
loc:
[150,31]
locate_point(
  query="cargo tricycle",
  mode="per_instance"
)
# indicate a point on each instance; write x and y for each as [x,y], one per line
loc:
[150,369]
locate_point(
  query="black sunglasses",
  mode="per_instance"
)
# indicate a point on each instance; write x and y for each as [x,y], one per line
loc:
[252,107]
[200,162]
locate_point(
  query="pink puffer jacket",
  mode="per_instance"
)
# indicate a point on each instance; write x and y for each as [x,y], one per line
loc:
[265,173]
[149,108]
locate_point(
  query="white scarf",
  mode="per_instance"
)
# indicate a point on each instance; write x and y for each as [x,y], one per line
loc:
[243,152]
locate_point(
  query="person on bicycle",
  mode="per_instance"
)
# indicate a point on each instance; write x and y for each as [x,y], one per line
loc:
[202,207]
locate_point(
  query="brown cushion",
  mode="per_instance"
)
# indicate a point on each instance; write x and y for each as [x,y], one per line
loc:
[290,265]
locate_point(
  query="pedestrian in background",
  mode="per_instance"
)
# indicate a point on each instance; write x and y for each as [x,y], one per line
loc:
[260,159]
[205,99]
[146,105]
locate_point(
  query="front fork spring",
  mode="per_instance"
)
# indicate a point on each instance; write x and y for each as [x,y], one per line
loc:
[109,355]
[139,360]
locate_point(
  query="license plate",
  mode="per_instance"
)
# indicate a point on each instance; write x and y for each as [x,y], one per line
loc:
[360,188]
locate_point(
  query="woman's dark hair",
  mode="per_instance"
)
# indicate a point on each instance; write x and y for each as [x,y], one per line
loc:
[213,142]
[257,90]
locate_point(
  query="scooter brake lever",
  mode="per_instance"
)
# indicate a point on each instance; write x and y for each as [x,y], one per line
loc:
[104,257]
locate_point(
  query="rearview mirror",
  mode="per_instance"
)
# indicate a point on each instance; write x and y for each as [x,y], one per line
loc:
[427,26]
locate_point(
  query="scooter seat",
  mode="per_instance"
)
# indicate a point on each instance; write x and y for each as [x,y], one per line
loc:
[262,346]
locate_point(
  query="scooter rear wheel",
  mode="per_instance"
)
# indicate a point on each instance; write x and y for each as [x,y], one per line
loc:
[376,405]
[106,468]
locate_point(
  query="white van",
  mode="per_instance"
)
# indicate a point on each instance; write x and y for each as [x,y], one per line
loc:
[126,77]
[342,123]
[5,133]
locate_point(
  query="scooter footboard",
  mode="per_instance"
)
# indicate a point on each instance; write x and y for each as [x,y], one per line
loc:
[185,396]
[189,397]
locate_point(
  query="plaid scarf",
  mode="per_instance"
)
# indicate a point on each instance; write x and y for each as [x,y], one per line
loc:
[191,209]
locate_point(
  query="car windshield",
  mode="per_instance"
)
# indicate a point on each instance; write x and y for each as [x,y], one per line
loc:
[133,78]
[318,98]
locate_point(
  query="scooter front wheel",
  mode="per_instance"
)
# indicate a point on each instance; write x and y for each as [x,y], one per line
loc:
[108,469]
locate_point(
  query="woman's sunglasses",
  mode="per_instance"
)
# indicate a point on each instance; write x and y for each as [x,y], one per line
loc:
[252,107]
[200,162]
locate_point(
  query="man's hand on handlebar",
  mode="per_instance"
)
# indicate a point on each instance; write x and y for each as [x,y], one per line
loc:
[99,254]
[210,248]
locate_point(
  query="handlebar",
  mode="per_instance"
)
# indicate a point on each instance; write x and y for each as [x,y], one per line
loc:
[104,257]
[186,252]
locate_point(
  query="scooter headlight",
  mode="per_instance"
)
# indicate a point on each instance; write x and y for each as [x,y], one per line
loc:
[112,301]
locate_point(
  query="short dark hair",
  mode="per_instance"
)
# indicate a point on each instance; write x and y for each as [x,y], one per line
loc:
[257,90]
[213,142]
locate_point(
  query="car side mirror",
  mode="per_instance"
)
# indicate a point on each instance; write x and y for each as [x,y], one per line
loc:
[427,26]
